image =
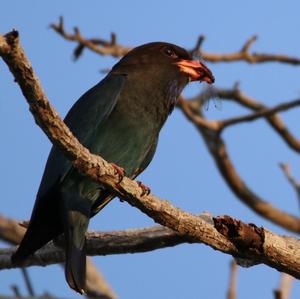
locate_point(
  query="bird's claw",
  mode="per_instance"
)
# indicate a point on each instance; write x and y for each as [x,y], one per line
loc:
[119,171]
[145,189]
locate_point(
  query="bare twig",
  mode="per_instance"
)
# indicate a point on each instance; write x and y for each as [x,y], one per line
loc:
[275,121]
[249,42]
[110,47]
[245,55]
[265,112]
[295,184]
[220,125]
[97,45]
[189,111]
[285,286]
[16,291]
[231,293]
[27,282]
[197,49]
[218,150]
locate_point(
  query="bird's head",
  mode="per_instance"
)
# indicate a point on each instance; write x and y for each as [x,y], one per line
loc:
[166,59]
[161,70]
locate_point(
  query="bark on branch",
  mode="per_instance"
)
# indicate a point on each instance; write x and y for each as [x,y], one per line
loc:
[256,245]
[226,235]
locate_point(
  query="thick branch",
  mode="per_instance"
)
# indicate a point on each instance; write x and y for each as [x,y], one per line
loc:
[247,240]
[227,235]
[111,47]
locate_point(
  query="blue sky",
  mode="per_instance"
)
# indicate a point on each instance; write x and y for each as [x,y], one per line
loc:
[182,170]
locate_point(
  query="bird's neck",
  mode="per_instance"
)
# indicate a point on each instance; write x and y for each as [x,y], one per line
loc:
[155,97]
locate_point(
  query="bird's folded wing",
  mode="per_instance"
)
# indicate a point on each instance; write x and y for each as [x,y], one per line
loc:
[83,118]
[106,195]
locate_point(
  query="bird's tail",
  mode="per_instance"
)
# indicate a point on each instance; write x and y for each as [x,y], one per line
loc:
[44,226]
[76,224]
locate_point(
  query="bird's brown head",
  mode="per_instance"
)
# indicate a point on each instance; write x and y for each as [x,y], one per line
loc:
[166,58]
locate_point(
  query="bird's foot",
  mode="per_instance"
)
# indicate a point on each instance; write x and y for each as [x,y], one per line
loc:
[145,189]
[119,171]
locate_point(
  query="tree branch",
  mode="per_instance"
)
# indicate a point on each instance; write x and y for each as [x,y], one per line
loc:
[227,235]
[294,183]
[231,293]
[12,232]
[284,288]
[219,125]
[97,45]
[265,112]
[218,150]
[111,47]
[257,245]
[27,282]
[275,121]
[104,243]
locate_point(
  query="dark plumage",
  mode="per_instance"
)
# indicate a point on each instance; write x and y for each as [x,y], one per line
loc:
[120,119]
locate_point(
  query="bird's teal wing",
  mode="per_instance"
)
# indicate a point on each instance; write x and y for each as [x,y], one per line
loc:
[148,158]
[83,119]
[94,107]
[106,195]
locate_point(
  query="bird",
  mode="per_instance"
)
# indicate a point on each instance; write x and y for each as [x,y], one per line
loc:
[120,119]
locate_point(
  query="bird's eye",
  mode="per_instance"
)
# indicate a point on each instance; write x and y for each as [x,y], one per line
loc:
[170,52]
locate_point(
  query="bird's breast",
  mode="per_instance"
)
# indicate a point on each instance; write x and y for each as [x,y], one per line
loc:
[125,137]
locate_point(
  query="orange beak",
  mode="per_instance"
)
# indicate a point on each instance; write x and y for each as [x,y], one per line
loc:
[196,70]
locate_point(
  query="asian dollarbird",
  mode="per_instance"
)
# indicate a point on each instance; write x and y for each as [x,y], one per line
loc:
[120,119]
